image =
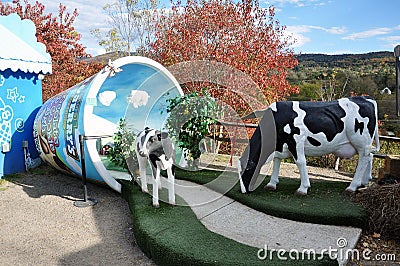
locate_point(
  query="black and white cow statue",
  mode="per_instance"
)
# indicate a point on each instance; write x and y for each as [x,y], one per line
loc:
[298,129]
[158,150]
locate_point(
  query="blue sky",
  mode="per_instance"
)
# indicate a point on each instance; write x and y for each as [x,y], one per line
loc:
[319,26]
[340,26]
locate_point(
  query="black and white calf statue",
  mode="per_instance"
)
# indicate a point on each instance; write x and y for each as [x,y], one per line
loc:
[298,129]
[156,148]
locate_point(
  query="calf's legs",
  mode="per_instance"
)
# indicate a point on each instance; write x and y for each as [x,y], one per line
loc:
[142,168]
[156,186]
[171,186]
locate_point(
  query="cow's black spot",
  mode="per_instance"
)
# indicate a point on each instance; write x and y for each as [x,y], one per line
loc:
[325,117]
[138,146]
[157,150]
[153,159]
[285,115]
[254,157]
[313,141]
[143,138]
[358,126]
[367,109]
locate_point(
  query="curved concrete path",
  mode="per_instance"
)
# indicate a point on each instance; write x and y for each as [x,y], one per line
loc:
[225,216]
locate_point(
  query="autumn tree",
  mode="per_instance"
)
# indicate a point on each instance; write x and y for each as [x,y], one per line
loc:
[333,84]
[132,26]
[62,43]
[241,35]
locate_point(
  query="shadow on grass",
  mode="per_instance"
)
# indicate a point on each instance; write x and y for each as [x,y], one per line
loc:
[326,202]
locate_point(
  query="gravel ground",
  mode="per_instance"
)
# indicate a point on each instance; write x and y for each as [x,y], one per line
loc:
[39,225]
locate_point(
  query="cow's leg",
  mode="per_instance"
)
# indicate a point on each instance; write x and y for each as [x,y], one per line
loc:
[337,162]
[156,184]
[368,171]
[275,175]
[142,169]
[305,181]
[362,165]
[171,186]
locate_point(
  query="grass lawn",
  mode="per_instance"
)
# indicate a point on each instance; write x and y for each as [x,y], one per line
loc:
[326,202]
[172,235]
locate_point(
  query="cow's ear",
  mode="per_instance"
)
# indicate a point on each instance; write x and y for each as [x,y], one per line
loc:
[164,135]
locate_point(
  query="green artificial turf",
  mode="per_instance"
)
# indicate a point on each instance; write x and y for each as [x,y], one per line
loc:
[110,165]
[326,202]
[172,235]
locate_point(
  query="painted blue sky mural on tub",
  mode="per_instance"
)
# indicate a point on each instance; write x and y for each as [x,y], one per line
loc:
[137,93]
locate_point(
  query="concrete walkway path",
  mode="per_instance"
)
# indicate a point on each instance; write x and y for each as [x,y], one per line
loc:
[225,216]
[236,221]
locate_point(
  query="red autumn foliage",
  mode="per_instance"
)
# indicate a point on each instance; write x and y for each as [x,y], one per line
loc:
[61,40]
[241,35]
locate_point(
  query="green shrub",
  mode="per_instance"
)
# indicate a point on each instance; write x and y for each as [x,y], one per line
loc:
[189,122]
[124,147]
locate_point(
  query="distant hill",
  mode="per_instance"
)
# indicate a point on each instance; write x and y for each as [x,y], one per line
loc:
[344,60]
[306,60]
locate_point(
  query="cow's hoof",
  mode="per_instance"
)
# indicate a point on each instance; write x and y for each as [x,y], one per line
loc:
[172,203]
[362,188]
[300,193]
[349,191]
[156,205]
[145,190]
[270,187]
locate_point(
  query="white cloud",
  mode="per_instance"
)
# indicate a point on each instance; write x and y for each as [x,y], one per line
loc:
[308,28]
[391,38]
[106,97]
[297,32]
[95,50]
[390,42]
[367,34]
[90,16]
[138,98]
[332,30]
[283,2]
[297,3]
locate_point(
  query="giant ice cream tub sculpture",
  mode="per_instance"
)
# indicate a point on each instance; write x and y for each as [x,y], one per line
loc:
[133,88]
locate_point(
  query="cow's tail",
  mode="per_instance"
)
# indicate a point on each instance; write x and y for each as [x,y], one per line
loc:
[378,146]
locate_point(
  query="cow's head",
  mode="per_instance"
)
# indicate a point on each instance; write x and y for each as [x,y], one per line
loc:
[151,142]
[259,151]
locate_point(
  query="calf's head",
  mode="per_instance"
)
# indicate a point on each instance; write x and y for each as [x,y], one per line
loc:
[152,142]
